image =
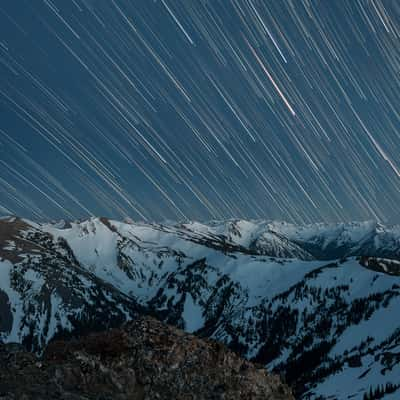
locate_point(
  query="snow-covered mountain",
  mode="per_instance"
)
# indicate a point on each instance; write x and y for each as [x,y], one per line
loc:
[317,303]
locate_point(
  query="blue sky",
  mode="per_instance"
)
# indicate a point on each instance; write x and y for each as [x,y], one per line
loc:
[200,109]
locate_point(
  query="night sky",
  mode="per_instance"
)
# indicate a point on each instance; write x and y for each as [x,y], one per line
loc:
[196,109]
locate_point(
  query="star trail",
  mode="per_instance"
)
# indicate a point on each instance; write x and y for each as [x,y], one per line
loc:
[196,109]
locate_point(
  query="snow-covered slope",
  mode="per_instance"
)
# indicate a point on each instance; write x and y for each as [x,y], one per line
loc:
[46,293]
[266,289]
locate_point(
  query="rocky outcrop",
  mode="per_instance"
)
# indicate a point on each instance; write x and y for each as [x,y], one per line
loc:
[143,360]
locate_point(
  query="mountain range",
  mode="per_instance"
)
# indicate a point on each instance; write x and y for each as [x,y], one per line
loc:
[316,304]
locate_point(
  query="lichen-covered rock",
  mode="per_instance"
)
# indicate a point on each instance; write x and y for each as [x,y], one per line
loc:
[143,360]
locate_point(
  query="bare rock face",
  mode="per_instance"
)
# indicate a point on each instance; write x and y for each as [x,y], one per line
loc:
[143,360]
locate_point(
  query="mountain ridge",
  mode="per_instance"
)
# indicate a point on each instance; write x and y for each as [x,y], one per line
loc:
[327,325]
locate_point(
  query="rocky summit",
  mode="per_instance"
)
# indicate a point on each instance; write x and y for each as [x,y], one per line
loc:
[143,360]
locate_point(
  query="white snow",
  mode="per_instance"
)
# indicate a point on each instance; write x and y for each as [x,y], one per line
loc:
[192,315]
[14,300]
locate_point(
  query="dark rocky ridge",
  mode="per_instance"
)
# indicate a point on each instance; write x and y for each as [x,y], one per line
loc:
[143,360]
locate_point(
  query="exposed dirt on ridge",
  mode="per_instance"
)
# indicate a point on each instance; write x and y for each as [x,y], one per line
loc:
[12,244]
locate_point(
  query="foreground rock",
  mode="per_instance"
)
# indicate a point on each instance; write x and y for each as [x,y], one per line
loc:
[144,360]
